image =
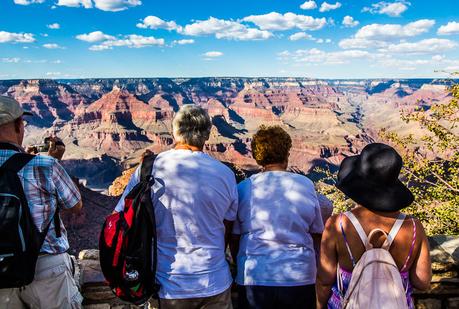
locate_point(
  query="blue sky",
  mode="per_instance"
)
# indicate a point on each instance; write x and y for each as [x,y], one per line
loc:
[150,38]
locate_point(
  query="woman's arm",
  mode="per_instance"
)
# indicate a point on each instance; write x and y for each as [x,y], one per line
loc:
[421,270]
[326,274]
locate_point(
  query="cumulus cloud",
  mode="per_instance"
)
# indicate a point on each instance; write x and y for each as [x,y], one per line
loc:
[427,46]
[348,21]
[104,5]
[317,56]
[87,4]
[309,5]
[224,29]
[153,22]
[95,36]
[212,54]
[54,26]
[10,60]
[381,35]
[300,36]
[394,31]
[28,2]
[277,21]
[130,41]
[450,28]
[12,37]
[116,5]
[393,9]
[184,42]
[325,7]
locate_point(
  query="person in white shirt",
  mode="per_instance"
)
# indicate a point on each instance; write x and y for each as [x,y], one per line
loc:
[279,222]
[195,202]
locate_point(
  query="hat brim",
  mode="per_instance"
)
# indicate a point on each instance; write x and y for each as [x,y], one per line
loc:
[375,196]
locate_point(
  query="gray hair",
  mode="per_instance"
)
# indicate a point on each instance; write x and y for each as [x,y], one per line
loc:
[192,125]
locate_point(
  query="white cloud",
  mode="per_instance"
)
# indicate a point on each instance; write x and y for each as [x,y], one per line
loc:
[104,5]
[348,21]
[394,31]
[212,54]
[225,29]
[95,36]
[450,28]
[325,7]
[52,46]
[87,4]
[53,74]
[300,36]
[54,26]
[6,37]
[393,9]
[10,60]
[115,5]
[27,2]
[379,35]
[438,58]
[153,22]
[427,46]
[354,43]
[130,41]
[317,56]
[309,5]
[276,21]
[184,41]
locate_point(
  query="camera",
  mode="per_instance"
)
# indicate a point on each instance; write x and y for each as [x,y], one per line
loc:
[46,144]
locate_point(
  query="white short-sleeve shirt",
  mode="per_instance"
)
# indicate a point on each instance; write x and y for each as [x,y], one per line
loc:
[278,212]
[192,195]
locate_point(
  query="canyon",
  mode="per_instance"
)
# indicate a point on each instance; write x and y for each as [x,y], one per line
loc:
[108,123]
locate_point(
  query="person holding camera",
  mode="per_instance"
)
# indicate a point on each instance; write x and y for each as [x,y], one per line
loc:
[46,189]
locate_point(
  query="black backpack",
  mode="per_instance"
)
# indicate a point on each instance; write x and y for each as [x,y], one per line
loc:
[128,244]
[20,240]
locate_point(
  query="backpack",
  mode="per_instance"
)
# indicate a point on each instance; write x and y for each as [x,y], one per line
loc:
[128,243]
[376,281]
[20,239]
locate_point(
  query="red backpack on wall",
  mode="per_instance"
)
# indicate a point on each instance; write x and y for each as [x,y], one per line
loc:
[128,243]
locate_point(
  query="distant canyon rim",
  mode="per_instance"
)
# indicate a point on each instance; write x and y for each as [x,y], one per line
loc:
[108,123]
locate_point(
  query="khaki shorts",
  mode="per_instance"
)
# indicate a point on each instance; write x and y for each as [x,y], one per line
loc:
[53,287]
[220,301]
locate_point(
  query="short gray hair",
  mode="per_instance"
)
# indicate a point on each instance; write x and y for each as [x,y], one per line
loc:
[192,125]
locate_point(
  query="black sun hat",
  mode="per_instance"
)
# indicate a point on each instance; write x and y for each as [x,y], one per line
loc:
[371,179]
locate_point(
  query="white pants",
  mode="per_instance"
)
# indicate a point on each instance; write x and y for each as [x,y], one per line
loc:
[53,287]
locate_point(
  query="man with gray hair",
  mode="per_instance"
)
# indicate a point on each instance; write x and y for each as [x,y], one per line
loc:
[195,202]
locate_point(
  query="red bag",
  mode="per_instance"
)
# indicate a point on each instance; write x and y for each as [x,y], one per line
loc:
[128,244]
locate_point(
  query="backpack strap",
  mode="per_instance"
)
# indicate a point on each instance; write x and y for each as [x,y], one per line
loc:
[358,227]
[396,228]
[146,168]
[413,242]
[345,240]
[17,162]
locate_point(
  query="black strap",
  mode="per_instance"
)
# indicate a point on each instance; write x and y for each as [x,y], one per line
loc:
[17,162]
[147,167]
[57,223]
[9,146]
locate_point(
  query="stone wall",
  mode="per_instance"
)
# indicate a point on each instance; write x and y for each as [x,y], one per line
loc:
[444,293]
